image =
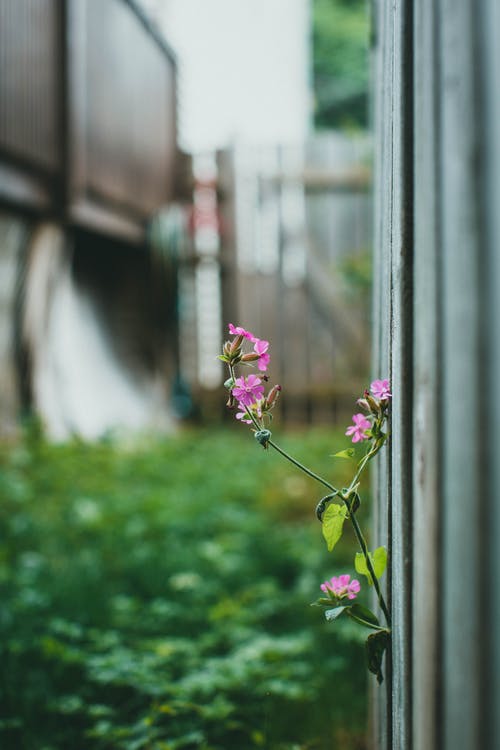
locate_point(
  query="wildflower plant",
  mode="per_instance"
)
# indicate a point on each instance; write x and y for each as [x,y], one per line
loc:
[253,406]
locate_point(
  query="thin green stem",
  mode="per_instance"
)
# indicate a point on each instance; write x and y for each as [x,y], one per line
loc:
[345,497]
[302,467]
[364,548]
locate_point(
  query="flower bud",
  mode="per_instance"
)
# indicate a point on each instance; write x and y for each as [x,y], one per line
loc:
[236,344]
[364,404]
[272,396]
[227,348]
[374,404]
[250,357]
[263,437]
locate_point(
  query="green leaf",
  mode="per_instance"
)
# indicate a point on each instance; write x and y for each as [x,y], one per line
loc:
[375,645]
[378,560]
[364,616]
[333,614]
[348,453]
[332,524]
[361,567]
[323,601]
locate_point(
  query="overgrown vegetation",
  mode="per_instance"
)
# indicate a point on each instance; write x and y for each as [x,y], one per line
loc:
[158,598]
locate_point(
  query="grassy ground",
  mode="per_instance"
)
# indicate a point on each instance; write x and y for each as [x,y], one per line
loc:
[157,596]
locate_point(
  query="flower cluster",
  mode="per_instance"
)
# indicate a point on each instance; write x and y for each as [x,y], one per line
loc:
[247,393]
[375,402]
[341,587]
[260,347]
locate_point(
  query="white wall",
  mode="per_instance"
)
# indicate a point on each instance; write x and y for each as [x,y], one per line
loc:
[243,69]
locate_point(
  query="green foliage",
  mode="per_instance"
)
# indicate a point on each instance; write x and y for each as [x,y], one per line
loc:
[378,560]
[156,598]
[356,272]
[362,615]
[333,523]
[376,644]
[340,34]
[347,453]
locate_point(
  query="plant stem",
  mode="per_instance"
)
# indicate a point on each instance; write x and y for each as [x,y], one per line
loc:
[345,496]
[354,521]
[364,548]
[302,467]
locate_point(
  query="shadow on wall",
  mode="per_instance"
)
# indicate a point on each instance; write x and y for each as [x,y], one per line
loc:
[93,338]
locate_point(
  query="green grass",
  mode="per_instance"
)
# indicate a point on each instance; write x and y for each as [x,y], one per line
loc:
[156,596]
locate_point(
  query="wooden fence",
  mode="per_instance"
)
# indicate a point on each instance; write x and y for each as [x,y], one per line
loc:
[295,229]
[437,186]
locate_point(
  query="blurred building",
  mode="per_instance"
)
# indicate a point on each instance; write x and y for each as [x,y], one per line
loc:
[88,156]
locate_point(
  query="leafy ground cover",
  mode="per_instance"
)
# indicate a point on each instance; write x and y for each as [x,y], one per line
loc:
[156,597]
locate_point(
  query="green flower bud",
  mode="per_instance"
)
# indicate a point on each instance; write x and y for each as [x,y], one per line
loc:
[263,437]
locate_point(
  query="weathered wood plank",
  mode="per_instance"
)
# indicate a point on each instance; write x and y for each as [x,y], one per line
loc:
[445,693]
[383,61]
[427,386]
[489,31]
[402,372]
[462,260]
[30,59]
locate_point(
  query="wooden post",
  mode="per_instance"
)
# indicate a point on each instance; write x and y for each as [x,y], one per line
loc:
[437,320]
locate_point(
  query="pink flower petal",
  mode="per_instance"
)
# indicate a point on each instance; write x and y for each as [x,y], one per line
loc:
[381,389]
[239,331]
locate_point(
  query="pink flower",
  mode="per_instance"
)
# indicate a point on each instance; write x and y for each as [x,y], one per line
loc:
[357,430]
[381,389]
[255,409]
[243,417]
[248,390]
[239,331]
[260,347]
[341,587]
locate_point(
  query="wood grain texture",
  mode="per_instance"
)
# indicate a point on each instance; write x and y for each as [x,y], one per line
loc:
[489,32]
[427,384]
[393,343]
[443,334]
[122,109]
[29,82]
[382,62]
[462,300]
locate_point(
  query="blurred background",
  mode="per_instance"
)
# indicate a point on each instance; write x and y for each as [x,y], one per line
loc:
[167,167]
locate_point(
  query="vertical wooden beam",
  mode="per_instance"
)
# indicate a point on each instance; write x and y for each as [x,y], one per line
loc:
[402,372]
[489,31]
[446,696]
[427,385]
[382,63]
[393,340]
[463,389]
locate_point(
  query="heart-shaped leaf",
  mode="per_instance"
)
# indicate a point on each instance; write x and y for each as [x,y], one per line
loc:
[332,524]
[378,560]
